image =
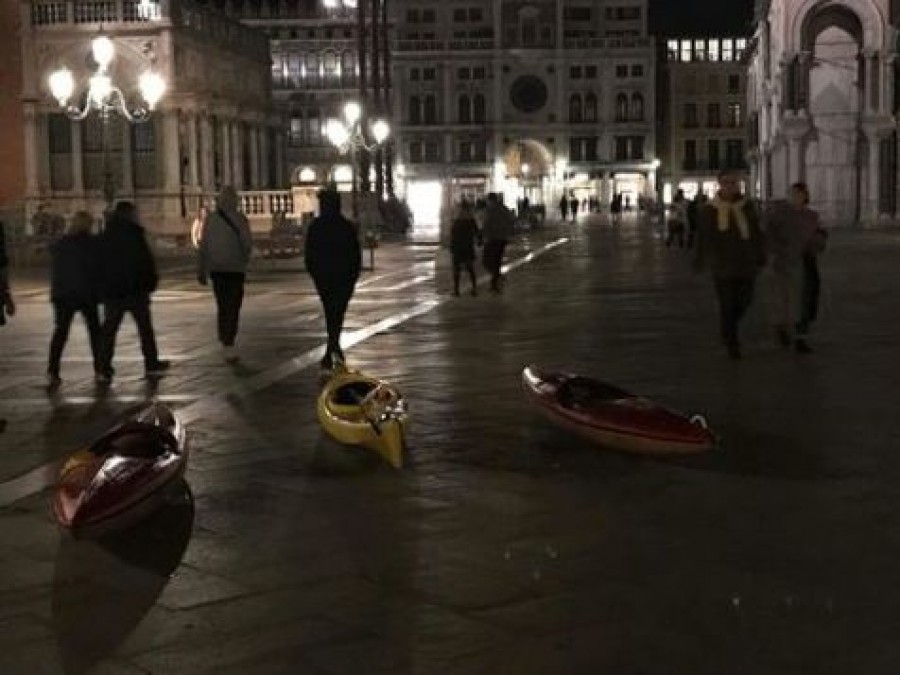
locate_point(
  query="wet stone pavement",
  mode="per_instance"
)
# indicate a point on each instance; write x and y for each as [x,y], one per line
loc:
[505,546]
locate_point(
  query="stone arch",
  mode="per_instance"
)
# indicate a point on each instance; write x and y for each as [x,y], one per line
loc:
[528,151]
[825,13]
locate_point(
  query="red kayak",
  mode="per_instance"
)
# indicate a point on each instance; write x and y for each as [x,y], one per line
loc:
[613,417]
[121,477]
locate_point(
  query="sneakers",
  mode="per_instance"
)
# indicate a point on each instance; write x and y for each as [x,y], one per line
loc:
[157,369]
[102,378]
[229,353]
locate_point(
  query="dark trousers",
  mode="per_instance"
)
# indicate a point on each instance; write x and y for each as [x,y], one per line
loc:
[460,263]
[63,314]
[809,295]
[335,298]
[735,296]
[228,287]
[114,312]
[493,260]
[676,233]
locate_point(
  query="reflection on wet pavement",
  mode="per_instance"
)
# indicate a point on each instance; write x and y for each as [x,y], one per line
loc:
[505,546]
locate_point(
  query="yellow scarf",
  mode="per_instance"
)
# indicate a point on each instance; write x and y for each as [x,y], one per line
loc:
[726,209]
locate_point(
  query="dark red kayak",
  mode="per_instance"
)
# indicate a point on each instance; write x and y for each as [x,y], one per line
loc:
[613,417]
[121,477]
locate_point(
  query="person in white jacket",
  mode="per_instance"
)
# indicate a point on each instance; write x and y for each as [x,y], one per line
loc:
[223,255]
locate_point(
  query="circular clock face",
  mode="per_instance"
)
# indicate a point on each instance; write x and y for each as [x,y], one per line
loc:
[528,93]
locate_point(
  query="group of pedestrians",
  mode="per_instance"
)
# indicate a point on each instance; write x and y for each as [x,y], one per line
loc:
[494,236]
[115,269]
[736,246]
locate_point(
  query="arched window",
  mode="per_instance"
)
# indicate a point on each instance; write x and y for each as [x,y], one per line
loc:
[637,107]
[415,110]
[330,66]
[575,110]
[465,109]
[480,109]
[430,113]
[621,108]
[590,108]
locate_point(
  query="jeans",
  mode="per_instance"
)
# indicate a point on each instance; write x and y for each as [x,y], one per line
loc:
[458,265]
[335,299]
[809,294]
[228,287]
[735,296]
[114,312]
[64,313]
[493,260]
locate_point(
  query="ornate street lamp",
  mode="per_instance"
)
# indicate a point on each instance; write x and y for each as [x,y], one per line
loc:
[349,136]
[106,99]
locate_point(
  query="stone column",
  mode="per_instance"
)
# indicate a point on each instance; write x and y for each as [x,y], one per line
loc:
[32,160]
[207,159]
[237,156]
[171,152]
[870,209]
[254,158]
[127,161]
[265,178]
[193,152]
[77,159]
[225,134]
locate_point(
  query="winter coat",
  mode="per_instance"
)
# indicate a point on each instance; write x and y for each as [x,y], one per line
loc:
[726,252]
[129,270]
[463,234]
[498,223]
[75,272]
[789,234]
[224,246]
[332,254]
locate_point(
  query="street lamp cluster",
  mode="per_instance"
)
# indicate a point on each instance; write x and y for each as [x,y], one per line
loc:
[106,99]
[103,95]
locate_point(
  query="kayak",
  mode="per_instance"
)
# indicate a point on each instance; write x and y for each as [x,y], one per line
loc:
[121,477]
[356,409]
[613,417]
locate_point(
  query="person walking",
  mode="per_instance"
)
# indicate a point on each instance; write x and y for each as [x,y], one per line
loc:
[497,231]
[223,256]
[564,208]
[731,245]
[677,220]
[693,208]
[129,279]
[333,259]
[573,206]
[463,236]
[7,304]
[811,286]
[75,289]
[615,208]
[790,227]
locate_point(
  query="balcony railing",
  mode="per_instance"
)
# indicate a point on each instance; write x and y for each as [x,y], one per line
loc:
[412,45]
[52,12]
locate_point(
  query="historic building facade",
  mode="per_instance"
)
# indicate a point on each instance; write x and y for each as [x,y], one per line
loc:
[213,127]
[524,97]
[702,104]
[822,105]
[12,171]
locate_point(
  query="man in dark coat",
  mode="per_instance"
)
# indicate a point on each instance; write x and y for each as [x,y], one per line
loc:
[730,243]
[333,259]
[74,289]
[7,306]
[463,236]
[129,279]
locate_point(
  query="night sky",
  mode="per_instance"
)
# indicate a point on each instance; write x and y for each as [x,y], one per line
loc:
[700,17]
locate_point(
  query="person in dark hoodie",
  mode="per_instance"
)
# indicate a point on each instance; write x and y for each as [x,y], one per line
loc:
[7,306]
[464,235]
[333,260]
[74,289]
[730,243]
[129,279]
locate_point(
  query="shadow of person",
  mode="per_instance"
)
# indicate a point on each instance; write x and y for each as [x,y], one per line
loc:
[102,589]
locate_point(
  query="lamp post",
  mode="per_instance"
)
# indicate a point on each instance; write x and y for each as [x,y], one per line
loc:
[348,135]
[106,99]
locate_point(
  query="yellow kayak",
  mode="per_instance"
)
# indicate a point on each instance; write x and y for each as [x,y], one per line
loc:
[356,409]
